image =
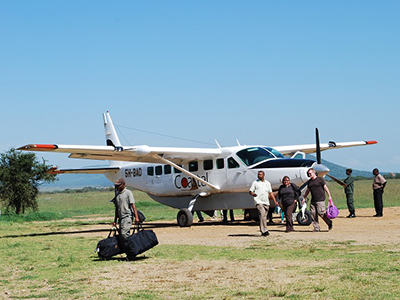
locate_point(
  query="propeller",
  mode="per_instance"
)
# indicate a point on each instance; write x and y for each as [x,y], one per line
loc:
[318,146]
[319,167]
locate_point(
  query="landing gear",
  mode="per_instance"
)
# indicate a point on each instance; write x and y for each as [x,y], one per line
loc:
[185,218]
[304,220]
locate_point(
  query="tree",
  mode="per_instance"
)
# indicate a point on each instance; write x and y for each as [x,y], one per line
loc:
[20,176]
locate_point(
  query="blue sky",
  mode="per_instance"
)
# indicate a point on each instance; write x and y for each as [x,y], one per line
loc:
[262,72]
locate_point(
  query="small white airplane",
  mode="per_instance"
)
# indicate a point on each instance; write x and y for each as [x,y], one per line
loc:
[196,179]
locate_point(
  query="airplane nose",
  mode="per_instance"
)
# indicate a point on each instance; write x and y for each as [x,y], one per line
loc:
[321,169]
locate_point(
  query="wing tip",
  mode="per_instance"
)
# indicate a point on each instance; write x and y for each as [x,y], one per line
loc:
[38,147]
[54,171]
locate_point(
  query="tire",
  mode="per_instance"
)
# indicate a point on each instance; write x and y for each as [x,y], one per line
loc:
[251,215]
[307,218]
[185,218]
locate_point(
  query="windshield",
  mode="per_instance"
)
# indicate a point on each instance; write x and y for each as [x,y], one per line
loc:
[251,156]
[275,152]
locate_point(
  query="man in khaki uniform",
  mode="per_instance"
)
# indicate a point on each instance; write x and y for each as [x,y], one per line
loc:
[378,185]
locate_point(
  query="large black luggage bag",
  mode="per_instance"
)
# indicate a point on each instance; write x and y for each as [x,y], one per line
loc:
[140,242]
[109,247]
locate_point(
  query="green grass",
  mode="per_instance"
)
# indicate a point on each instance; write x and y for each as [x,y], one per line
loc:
[65,267]
[363,197]
[56,206]
[38,260]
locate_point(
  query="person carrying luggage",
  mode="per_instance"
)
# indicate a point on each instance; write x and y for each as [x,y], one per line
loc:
[125,209]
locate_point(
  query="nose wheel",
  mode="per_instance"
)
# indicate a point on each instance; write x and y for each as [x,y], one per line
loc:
[185,218]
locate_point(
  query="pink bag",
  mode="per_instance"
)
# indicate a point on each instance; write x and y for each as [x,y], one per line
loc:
[332,211]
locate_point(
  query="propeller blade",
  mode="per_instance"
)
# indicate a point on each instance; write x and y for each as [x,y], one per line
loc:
[337,180]
[318,147]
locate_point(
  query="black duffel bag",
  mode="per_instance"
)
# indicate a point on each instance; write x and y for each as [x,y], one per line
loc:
[109,247]
[140,241]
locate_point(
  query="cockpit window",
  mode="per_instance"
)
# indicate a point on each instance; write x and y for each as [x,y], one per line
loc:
[275,152]
[251,156]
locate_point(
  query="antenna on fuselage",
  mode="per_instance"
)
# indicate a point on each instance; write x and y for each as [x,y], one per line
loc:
[217,143]
[237,141]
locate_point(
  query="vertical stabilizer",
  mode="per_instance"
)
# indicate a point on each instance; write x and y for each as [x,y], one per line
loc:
[111,135]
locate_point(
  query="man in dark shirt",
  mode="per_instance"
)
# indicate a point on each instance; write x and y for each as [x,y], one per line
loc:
[349,190]
[317,187]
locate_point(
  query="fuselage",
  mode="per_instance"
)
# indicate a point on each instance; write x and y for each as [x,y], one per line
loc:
[233,172]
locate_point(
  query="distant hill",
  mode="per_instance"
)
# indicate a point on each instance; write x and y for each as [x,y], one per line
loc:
[78,181]
[340,172]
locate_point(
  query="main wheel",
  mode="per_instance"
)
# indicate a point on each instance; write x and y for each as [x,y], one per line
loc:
[306,220]
[185,218]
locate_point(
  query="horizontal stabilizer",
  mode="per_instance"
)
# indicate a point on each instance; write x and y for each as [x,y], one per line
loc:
[101,170]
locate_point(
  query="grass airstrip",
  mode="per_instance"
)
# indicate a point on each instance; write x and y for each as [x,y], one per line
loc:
[50,255]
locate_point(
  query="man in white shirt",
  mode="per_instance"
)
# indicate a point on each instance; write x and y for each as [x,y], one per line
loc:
[261,191]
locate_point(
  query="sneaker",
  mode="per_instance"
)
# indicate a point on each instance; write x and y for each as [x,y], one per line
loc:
[330,226]
[379,216]
[316,230]
[201,221]
[351,216]
[265,233]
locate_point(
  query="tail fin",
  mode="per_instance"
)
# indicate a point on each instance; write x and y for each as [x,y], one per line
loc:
[111,135]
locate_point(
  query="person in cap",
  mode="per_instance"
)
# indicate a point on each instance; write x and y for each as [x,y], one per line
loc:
[349,191]
[125,208]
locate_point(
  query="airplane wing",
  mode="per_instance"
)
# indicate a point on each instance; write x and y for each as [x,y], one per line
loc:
[311,148]
[131,154]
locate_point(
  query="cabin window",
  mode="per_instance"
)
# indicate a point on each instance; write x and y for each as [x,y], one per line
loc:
[150,171]
[232,163]
[178,171]
[158,170]
[193,166]
[220,163]
[167,169]
[208,164]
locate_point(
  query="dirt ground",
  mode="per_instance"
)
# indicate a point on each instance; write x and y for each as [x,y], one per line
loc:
[364,229]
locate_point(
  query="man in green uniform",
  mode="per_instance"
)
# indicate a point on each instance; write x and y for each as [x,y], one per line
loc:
[349,191]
